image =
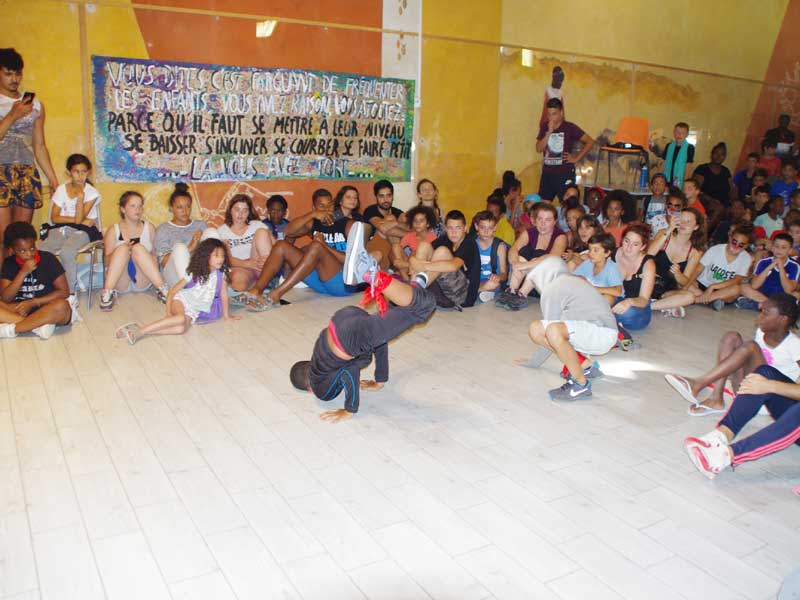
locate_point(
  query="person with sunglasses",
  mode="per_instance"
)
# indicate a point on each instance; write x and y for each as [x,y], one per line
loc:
[676,202]
[724,268]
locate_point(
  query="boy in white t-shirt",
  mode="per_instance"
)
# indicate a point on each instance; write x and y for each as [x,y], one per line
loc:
[724,268]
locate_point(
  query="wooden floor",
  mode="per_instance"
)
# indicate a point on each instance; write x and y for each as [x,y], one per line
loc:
[187,467]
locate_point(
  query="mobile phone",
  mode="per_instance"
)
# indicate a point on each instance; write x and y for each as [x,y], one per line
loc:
[135,240]
[28,97]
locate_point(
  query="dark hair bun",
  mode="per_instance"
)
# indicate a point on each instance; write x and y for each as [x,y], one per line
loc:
[181,187]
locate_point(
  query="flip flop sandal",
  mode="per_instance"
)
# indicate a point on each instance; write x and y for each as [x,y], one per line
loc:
[704,410]
[680,385]
[122,331]
[260,304]
[239,299]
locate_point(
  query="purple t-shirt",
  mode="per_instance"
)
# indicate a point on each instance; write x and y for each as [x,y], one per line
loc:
[559,145]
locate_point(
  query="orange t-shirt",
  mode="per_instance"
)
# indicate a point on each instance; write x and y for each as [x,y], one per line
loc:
[771,165]
[411,241]
[616,232]
[698,206]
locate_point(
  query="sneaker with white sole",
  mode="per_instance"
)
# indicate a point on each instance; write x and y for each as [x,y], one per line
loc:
[718,305]
[571,391]
[359,265]
[162,293]
[712,438]
[8,331]
[45,331]
[107,299]
[676,313]
[73,305]
[746,303]
[707,458]
[486,296]
[591,372]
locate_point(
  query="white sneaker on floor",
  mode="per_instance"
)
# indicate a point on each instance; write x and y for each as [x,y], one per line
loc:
[677,313]
[8,331]
[712,438]
[707,458]
[73,304]
[45,331]
[486,296]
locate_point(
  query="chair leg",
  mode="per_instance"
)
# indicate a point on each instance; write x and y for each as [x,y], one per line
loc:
[91,279]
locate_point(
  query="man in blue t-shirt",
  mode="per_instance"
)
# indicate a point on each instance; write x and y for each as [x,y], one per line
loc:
[776,273]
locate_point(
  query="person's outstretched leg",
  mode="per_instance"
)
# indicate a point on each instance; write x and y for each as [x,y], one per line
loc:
[735,358]
[282,253]
[712,452]
[317,256]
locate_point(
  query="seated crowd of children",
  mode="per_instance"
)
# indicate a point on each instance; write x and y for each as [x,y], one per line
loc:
[623,263]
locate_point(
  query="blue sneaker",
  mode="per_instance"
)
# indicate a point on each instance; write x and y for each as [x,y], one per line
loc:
[746,303]
[591,372]
[359,265]
[571,391]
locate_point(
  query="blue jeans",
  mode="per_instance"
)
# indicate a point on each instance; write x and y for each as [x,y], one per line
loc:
[781,434]
[635,317]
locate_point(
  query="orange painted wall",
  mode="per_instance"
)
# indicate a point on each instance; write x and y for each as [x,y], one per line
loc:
[784,68]
[173,36]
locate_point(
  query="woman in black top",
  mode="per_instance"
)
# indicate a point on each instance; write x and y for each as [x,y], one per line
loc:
[638,270]
[715,178]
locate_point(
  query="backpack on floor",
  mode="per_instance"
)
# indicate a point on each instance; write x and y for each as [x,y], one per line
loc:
[454,287]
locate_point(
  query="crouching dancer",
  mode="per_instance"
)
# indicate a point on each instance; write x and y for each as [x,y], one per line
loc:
[353,335]
[576,322]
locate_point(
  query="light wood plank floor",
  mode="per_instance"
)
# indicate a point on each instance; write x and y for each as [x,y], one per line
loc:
[187,467]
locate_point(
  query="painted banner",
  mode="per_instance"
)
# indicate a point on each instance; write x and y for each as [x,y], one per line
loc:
[157,121]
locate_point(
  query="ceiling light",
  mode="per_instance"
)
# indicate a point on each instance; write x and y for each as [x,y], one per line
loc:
[264,29]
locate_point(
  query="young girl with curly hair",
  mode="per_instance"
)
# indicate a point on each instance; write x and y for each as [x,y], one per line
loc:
[201,296]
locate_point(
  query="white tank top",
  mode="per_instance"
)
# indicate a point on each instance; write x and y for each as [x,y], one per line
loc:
[144,240]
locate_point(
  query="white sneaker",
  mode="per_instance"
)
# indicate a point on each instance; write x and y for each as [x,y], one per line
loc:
[107,299]
[45,331]
[676,313]
[8,331]
[709,459]
[712,438]
[359,266]
[73,304]
[486,296]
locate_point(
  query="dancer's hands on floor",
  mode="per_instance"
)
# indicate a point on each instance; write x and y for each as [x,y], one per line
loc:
[370,385]
[334,416]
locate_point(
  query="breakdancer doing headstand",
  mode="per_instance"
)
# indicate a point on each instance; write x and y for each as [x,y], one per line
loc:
[353,335]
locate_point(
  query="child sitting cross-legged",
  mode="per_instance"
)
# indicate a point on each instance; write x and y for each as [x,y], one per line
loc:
[422,220]
[33,289]
[599,270]
[724,268]
[773,274]
[201,296]
[494,255]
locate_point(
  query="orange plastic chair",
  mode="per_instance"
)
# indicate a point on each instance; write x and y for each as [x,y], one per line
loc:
[632,137]
[633,130]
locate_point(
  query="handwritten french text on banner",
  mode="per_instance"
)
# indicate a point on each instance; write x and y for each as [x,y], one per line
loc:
[157,120]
